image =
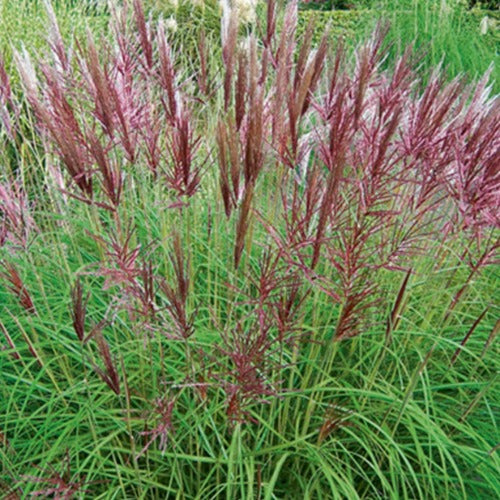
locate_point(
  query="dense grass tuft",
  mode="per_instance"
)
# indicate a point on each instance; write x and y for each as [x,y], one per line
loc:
[252,270]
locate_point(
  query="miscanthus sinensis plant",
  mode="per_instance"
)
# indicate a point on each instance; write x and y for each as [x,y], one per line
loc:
[266,275]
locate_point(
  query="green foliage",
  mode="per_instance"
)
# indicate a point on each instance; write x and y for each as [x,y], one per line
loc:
[442,32]
[188,22]
[451,34]
[341,23]
[190,16]
[24,23]
[484,4]
[335,4]
[361,418]
[396,413]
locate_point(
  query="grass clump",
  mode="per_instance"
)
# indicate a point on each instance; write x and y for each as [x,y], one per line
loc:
[464,40]
[266,275]
[446,32]
[24,22]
